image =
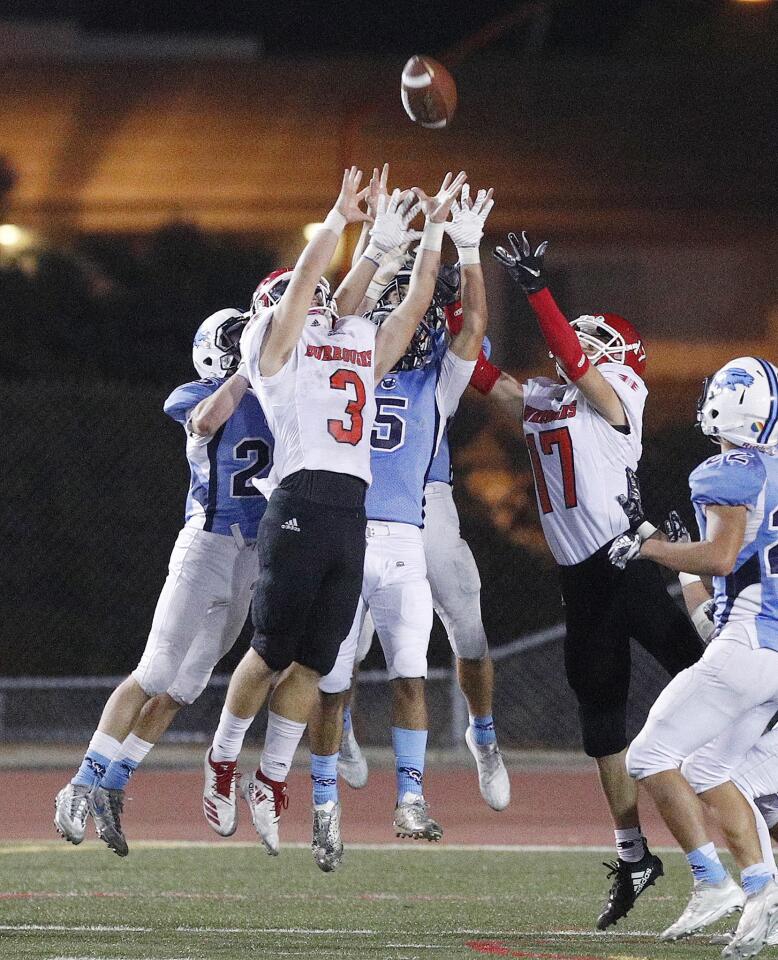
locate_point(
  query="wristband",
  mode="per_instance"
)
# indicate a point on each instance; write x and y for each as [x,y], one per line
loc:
[335,221]
[374,290]
[686,578]
[432,238]
[485,375]
[373,253]
[469,256]
[646,530]
[243,371]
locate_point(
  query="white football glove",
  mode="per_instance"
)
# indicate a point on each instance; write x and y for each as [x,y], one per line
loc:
[391,227]
[393,261]
[624,548]
[466,226]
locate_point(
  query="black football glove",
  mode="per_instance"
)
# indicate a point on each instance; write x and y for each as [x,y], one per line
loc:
[524,266]
[632,503]
[675,528]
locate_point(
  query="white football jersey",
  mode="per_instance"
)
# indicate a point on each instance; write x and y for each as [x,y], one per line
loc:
[579,460]
[320,406]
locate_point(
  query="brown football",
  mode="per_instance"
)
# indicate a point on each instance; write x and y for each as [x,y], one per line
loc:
[428,92]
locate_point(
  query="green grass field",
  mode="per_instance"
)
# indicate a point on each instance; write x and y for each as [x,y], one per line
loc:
[233,902]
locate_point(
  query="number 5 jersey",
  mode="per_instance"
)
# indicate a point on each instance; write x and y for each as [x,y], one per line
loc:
[579,460]
[320,405]
[221,492]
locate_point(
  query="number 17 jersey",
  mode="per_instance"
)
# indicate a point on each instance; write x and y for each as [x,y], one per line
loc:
[579,460]
[320,406]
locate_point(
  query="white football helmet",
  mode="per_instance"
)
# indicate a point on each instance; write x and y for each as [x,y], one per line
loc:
[216,347]
[740,403]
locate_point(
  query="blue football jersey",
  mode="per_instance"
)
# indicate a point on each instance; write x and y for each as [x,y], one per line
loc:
[221,492]
[442,469]
[410,408]
[749,595]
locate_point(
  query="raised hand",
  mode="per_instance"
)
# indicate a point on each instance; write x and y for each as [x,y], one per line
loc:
[437,208]
[468,216]
[675,528]
[632,502]
[391,229]
[347,204]
[524,266]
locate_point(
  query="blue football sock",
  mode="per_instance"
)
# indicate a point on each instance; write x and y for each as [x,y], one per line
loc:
[483,730]
[409,749]
[706,865]
[346,718]
[754,878]
[92,769]
[118,773]
[324,776]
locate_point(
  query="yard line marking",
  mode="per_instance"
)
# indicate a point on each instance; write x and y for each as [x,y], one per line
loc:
[63,928]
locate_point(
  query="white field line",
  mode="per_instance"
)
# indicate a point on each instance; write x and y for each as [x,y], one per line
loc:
[33,846]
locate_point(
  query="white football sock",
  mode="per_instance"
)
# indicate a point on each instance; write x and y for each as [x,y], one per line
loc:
[281,741]
[105,745]
[135,749]
[228,739]
[630,844]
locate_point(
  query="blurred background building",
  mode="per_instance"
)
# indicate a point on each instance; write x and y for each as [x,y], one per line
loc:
[155,164]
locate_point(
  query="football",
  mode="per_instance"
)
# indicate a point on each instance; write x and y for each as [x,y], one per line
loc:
[428,92]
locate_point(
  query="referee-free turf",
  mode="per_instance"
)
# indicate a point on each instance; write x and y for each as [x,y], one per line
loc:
[231,901]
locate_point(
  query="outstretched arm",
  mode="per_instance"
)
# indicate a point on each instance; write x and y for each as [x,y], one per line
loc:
[213,411]
[289,314]
[526,268]
[395,332]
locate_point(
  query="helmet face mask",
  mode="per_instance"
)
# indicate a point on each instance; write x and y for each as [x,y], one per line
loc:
[272,288]
[739,403]
[216,346]
[608,338]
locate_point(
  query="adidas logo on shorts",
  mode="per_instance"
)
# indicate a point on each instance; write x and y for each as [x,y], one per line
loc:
[291,525]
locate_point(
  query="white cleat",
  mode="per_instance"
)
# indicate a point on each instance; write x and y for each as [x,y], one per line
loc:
[757,926]
[493,780]
[219,801]
[327,845]
[266,800]
[709,902]
[70,812]
[412,819]
[352,766]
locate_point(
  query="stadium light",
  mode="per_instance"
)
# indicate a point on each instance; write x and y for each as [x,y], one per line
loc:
[11,236]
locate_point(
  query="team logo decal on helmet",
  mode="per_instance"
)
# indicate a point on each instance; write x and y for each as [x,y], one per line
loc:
[216,346]
[740,403]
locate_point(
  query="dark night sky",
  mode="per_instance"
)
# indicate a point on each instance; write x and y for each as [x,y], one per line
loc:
[311,26]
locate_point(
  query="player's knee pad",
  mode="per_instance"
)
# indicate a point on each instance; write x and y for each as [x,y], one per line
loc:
[468,638]
[408,659]
[702,775]
[648,755]
[157,669]
[603,729]
[338,680]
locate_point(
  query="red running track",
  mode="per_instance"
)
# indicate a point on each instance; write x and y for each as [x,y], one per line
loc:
[554,807]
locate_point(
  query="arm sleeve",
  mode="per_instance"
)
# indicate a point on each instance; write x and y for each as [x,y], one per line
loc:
[559,335]
[733,479]
[455,374]
[182,401]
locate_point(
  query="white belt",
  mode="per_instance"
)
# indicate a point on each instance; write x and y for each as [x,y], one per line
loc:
[390,529]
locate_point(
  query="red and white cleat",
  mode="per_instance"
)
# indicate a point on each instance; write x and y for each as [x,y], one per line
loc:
[219,795]
[266,799]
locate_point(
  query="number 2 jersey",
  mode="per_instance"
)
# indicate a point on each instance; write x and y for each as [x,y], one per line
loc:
[320,405]
[579,460]
[749,595]
[222,466]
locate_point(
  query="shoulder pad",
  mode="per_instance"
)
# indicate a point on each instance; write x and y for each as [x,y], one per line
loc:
[734,478]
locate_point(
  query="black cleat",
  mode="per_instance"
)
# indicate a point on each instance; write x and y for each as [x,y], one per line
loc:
[629,881]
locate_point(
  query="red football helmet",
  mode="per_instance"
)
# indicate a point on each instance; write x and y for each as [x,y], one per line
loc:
[609,338]
[273,286]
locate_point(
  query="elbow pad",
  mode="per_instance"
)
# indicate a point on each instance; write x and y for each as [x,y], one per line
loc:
[485,375]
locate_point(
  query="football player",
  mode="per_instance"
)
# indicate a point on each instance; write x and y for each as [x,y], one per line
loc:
[453,577]
[419,394]
[708,717]
[583,431]
[315,373]
[205,600]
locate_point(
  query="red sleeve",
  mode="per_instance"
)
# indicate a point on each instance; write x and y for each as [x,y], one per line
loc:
[454,318]
[559,335]
[485,375]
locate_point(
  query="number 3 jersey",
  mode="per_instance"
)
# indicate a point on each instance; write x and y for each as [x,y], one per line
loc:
[579,460]
[320,405]
[222,466]
[749,595]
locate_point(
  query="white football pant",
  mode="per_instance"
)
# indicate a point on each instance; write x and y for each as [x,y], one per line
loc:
[200,612]
[452,574]
[757,775]
[396,590]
